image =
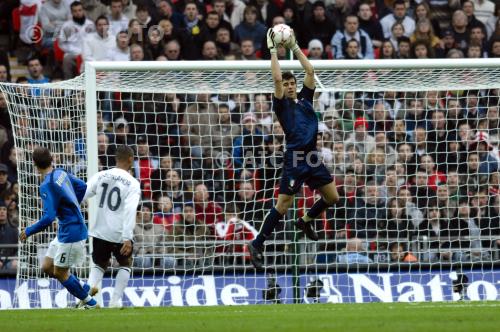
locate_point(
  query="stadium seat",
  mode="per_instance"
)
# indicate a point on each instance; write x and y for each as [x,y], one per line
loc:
[16,20]
[78,61]
[58,53]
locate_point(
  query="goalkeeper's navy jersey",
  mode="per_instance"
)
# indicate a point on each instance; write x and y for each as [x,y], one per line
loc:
[298,119]
[61,196]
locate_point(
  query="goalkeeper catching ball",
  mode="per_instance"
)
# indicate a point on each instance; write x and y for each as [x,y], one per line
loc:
[301,162]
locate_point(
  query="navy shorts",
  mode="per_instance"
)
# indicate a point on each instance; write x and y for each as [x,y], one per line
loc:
[297,170]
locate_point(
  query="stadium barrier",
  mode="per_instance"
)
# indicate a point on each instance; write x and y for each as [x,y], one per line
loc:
[235,289]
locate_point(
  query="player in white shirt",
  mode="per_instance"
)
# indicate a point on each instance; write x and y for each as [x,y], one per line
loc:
[118,194]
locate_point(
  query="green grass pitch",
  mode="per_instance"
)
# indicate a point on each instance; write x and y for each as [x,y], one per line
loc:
[462,316]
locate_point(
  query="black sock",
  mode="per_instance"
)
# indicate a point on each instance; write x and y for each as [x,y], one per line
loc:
[318,207]
[270,222]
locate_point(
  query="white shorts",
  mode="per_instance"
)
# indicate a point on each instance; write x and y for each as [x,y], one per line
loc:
[66,254]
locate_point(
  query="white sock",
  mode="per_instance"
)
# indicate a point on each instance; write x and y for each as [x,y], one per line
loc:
[95,276]
[95,280]
[121,282]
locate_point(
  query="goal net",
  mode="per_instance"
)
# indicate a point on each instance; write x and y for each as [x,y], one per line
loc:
[411,145]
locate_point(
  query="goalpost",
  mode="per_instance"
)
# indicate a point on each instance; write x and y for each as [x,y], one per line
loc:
[208,158]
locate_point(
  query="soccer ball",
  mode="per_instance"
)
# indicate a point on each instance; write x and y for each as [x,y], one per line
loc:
[282,33]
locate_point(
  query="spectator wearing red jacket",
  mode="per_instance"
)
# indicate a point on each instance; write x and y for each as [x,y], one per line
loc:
[144,165]
[435,177]
[209,212]
[165,215]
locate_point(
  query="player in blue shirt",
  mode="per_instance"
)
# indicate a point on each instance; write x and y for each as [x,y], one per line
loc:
[61,196]
[301,163]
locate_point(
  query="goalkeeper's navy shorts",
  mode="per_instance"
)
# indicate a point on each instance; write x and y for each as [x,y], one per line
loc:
[300,167]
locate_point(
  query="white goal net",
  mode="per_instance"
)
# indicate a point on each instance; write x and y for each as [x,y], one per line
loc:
[412,146]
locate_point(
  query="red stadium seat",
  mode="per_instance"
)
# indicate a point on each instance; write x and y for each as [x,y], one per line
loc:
[79,61]
[58,53]
[16,20]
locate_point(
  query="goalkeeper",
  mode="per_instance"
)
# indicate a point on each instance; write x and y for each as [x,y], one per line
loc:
[61,196]
[301,164]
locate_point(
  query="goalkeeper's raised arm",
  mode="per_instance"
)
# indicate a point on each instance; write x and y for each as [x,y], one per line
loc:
[304,61]
[275,65]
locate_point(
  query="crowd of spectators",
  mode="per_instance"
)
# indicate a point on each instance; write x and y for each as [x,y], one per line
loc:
[415,171]
[68,33]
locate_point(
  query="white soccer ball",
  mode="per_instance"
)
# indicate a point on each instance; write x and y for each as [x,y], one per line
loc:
[282,33]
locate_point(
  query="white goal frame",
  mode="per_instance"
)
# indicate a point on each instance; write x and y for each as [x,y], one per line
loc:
[91,89]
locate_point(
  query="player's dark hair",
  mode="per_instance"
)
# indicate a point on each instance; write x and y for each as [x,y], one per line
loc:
[287,76]
[395,245]
[123,153]
[463,200]
[482,189]
[223,105]
[350,15]
[142,8]
[404,39]
[22,79]
[145,204]
[75,4]
[102,17]
[398,2]
[352,41]
[391,168]
[42,157]
[33,58]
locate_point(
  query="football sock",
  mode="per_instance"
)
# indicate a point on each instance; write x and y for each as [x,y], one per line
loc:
[318,207]
[271,220]
[72,284]
[121,282]
[95,276]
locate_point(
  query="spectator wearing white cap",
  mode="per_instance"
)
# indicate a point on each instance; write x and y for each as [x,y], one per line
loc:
[121,131]
[315,50]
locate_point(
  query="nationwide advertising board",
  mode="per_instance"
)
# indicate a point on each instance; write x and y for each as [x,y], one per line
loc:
[239,289]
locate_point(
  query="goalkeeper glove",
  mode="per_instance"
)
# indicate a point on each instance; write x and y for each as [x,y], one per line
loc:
[291,43]
[271,45]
